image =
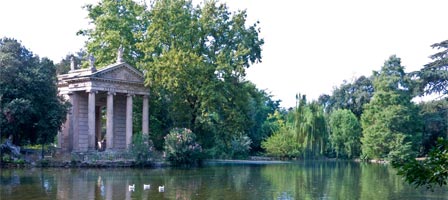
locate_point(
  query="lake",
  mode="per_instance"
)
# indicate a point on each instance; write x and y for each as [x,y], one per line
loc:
[295,180]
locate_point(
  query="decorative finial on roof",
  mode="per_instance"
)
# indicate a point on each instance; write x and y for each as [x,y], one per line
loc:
[120,54]
[72,63]
[92,62]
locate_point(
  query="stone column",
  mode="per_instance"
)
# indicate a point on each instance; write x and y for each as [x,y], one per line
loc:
[74,143]
[91,119]
[128,120]
[145,115]
[110,121]
[69,138]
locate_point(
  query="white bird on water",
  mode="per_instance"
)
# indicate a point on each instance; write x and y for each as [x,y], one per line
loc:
[132,187]
[146,186]
[162,188]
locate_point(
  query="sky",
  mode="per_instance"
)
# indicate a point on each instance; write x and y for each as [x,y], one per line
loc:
[310,47]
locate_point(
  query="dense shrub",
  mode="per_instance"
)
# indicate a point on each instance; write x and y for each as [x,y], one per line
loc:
[181,147]
[141,148]
[283,143]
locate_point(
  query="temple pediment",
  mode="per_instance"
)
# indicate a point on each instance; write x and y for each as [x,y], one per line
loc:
[121,71]
[118,77]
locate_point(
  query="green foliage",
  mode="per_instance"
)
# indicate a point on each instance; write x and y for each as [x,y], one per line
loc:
[141,148]
[434,114]
[310,127]
[181,147]
[434,75]
[390,120]
[345,134]
[300,131]
[282,143]
[63,66]
[116,23]
[30,108]
[352,96]
[429,172]
[260,106]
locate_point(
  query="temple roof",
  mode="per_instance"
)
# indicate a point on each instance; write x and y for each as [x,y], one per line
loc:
[113,77]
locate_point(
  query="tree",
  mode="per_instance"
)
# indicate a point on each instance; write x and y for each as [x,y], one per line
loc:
[434,75]
[117,23]
[31,110]
[310,127]
[352,96]
[345,133]
[390,121]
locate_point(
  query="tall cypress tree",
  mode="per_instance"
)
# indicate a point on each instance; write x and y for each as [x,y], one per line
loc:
[390,121]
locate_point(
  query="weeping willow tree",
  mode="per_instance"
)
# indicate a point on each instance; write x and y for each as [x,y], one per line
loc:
[310,127]
[303,133]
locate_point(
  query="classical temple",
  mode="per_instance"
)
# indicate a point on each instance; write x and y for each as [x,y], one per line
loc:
[91,92]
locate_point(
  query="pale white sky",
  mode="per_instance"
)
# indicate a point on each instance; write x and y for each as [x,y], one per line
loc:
[310,46]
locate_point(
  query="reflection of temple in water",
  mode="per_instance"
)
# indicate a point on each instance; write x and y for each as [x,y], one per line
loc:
[107,94]
[92,184]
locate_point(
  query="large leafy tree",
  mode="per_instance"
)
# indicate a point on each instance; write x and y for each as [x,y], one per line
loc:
[30,109]
[194,58]
[345,133]
[197,57]
[390,121]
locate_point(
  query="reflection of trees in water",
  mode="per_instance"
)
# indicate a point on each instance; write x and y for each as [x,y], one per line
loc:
[344,181]
[323,179]
[339,180]
[301,180]
[36,184]
[305,180]
[218,182]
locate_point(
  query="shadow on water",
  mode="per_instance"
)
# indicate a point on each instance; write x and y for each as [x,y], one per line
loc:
[219,180]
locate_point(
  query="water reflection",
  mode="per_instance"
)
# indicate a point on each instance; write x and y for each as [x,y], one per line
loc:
[301,180]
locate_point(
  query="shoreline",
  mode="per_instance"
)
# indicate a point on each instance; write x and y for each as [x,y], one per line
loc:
[69,162]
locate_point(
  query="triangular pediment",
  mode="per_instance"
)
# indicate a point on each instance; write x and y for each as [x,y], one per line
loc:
[122,72]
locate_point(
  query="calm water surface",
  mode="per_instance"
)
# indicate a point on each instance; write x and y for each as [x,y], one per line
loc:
[297,180]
